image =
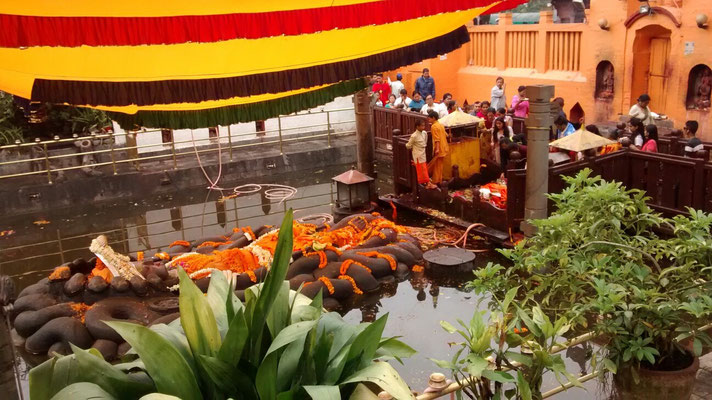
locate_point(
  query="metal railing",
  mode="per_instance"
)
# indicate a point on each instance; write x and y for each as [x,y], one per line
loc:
[42,162]
[120,237]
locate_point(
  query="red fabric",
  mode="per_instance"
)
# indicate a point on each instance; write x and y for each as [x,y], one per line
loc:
[651,146]
[422,170]
[27,31]
[385,90]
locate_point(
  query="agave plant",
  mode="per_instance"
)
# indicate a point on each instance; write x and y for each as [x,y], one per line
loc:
[279,344]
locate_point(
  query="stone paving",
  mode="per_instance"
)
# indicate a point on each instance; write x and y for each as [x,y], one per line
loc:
[703,387]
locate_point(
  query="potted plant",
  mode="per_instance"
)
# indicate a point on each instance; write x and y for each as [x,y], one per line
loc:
[507,356]
[278,344]
[608,263]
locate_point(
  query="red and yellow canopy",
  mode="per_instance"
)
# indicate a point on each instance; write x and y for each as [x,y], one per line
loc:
[225,60]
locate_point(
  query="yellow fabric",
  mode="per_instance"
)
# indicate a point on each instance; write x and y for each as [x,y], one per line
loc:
[229,58]
[466,155]
[205,105]
[153,8]
[435,170]
[439,136]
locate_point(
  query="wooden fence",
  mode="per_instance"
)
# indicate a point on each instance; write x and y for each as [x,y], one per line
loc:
[385,120]
[673,183]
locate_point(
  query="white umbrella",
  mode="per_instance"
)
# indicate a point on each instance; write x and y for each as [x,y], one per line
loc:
[581,140]
[458,118]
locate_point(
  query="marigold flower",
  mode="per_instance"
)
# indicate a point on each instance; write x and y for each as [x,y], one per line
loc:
[327,283]
[353,283]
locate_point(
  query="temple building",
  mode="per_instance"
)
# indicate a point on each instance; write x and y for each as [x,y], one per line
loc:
[601,55]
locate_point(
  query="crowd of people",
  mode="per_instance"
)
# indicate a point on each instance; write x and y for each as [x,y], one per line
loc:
[498,116]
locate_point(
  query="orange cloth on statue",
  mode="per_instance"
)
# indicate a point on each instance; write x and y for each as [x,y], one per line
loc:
[610,148]
[422,171]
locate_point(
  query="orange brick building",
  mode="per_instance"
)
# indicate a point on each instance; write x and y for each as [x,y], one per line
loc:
[599,66]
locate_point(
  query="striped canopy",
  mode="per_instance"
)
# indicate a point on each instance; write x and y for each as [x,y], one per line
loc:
[189,64]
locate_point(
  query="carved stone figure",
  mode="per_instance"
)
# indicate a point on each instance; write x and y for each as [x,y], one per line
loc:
[605,81]
[704,88]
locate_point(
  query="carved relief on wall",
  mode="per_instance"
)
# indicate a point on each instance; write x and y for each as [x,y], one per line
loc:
[699,87]
[605,81]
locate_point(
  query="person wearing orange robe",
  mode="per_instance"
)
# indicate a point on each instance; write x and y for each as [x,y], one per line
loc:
[441,148]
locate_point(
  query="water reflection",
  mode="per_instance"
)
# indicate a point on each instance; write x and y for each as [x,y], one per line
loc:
[149,225]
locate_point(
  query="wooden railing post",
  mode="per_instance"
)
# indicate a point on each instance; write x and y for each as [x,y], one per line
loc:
[698,185]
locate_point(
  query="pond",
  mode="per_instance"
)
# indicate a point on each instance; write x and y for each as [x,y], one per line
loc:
[44,240]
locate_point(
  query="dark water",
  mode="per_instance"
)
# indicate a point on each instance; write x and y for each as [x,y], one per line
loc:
[415,307]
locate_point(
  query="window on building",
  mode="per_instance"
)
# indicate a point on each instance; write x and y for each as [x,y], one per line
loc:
[166,135]
[699,87]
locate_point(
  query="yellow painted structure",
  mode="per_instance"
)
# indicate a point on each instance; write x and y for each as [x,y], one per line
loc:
[466,155]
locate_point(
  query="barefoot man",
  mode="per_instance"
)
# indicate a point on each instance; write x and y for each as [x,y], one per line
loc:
[417,143]
[440,148]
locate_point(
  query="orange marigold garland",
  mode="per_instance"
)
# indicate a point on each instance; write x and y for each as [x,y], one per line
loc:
[334,249]
[327,283]
[183,243]
[213,244]
[80,310]
[57,273]
[252,276]
[348,263]
[391,260]
[353,283]
[418,268]
[139,256]
[163,256]
[322,257]
[248,232]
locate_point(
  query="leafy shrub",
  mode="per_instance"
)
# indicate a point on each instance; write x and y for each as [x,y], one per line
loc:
[278,344]
[605,261]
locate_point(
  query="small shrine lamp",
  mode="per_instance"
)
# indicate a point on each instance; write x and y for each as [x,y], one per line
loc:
[353,193]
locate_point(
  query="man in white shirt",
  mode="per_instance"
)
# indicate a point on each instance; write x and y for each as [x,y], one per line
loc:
[641,110]
[402,99]
[440,108]
[498,99]
[397,86]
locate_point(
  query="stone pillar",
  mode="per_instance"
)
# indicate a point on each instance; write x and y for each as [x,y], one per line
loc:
[537,154]
[365,144]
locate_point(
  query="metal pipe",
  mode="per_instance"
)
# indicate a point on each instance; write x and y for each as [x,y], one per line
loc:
[59,243]
[569,385]
[49,173]
[173,152]
[229,140]
[116,160]
[328,129]
[113,160]
[279,125]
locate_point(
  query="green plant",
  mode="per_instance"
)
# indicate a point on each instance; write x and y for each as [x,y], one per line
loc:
[601,261]
[69,119]
[492,348]
[277,345]
[12,124]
